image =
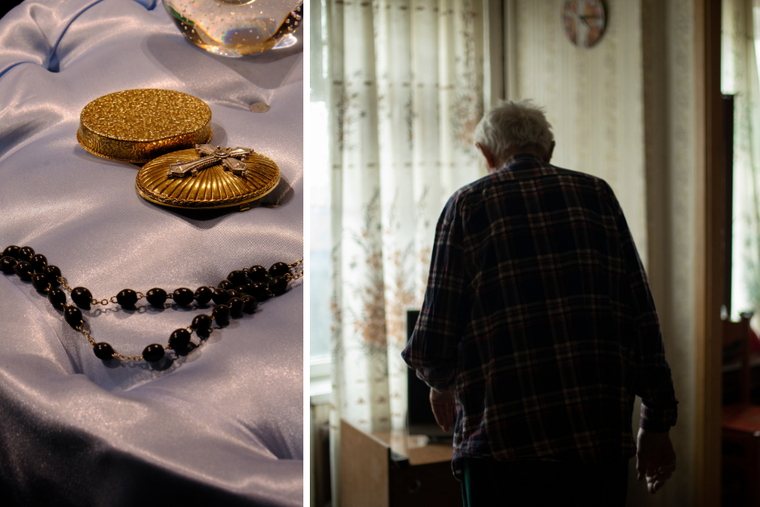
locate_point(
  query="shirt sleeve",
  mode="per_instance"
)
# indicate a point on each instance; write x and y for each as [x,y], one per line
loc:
[653,381]
[433,346]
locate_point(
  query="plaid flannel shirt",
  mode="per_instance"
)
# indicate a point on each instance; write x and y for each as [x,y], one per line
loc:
[539,312]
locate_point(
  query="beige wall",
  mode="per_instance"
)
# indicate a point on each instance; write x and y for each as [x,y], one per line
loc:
[625,111]
[669,77]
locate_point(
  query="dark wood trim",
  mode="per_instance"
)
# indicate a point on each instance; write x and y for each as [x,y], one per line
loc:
[710,193]
[728,192]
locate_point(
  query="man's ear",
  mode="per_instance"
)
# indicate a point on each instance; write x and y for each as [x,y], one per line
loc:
[490,158]
[551,152]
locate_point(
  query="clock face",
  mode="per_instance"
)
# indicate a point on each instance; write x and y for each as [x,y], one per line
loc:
[584,21]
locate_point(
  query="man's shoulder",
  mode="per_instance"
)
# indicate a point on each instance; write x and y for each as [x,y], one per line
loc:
[531,168]
[585,178]
[521,171]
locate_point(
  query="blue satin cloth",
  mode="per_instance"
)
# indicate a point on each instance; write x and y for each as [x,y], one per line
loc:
[220,426]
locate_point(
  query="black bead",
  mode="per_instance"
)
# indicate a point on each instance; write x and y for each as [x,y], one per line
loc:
[221,296]
[179,339]
[238,277]
[257,273]
[259,291]
[73,316]
[225,284]
[236,306]
[201,322]
[39,262]
[156,297]
[40,282]
[183,296]
[24,270]
[57,298]
[81,297]
[25,253]
[127,298]
[249,303]
[203,295]
[278,286]
[153,352]
[243,289]
[221,314]
[53,272]
[103,350]
[278,269]
[11,251]
[7,263]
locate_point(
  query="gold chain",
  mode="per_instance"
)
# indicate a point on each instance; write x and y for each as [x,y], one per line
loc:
[86,334]
[62,281]
[296,266]
[122,357]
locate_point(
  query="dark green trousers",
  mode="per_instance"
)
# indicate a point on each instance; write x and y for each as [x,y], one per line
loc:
[539,483]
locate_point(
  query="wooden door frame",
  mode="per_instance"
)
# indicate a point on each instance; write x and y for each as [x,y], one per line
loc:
[708,252]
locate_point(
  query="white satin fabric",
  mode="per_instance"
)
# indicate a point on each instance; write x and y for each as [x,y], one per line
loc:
[221,426]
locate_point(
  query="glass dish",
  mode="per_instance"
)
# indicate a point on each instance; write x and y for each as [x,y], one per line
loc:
[237,27]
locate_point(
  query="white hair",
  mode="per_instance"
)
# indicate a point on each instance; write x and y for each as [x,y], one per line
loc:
[510,125]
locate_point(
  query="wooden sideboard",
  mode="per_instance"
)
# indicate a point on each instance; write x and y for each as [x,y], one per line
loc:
[392,469]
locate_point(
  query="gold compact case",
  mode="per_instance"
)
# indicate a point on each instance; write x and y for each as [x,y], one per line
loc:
[139,125]
[208,177]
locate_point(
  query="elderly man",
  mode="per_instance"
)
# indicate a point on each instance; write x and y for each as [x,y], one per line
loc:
[539,329]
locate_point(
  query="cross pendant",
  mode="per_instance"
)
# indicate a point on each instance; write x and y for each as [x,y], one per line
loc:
[231,159]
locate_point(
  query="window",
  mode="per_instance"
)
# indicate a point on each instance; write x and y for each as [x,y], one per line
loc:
[320,230]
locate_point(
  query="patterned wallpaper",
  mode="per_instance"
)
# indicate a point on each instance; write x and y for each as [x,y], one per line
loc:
[593,97]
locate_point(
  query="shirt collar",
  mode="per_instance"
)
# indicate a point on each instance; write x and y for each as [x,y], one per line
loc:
[517,158]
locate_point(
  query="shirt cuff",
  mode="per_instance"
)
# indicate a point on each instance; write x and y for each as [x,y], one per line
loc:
[657,420]
[438,378]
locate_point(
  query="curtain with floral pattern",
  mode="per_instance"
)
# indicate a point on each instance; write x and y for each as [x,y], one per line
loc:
[405,92]
[739,62]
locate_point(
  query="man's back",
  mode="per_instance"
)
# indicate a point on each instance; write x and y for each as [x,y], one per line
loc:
[539,311]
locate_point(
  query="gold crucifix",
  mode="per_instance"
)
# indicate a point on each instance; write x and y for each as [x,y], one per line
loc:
[231,159]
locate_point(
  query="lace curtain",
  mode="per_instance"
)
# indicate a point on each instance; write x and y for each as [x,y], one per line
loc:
[402,82]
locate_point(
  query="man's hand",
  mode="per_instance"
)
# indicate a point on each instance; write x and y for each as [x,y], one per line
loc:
[442,403]
[655,459]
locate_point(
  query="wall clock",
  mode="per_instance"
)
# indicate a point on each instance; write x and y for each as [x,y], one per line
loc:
[584,21]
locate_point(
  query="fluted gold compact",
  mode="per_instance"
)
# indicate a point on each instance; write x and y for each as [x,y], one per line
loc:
[208,177]
[139,125]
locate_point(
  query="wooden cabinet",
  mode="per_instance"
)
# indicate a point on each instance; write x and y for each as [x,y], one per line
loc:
[731,375]
[395,470]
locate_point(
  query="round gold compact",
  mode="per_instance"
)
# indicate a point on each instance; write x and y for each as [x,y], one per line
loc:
[139,125]
[208,177]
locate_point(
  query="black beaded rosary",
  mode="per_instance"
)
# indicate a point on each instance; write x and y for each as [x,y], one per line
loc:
[239,293]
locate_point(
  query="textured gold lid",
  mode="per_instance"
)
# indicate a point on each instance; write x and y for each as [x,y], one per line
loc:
[139,125]
[208,177]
